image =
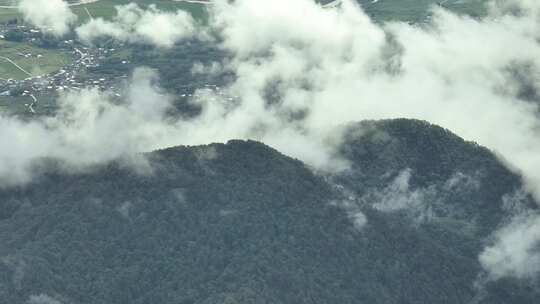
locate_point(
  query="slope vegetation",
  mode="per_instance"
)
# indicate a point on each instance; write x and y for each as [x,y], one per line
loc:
[242,223]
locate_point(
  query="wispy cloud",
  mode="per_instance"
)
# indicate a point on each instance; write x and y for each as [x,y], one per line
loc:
[301,73]
[88,129]
[302,70]
[42,299]
[134,24]
[514,249]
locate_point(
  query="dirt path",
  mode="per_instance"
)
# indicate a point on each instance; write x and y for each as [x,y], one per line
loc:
[16,65]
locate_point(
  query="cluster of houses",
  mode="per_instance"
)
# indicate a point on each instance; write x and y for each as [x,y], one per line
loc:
[73,76]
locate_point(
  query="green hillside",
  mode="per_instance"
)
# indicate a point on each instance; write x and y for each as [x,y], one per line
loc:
[242,223]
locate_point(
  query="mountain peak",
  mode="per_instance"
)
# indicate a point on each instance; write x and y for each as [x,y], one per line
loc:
[242,223]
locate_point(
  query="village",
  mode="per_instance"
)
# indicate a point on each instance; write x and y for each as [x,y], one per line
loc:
[73,76]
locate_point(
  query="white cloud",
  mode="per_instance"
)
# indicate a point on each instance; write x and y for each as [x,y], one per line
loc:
[359,220]
[398,195]
[52,15]
[460,182]
[336,66]
[324,68]
[515,251]
[349,202]
[42,299]
[135,24]
[329,67]
[124,209]
[87,130]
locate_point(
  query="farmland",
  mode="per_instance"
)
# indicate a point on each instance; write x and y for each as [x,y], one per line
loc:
[105,9]
[21,60]
[418,10]
[105,66]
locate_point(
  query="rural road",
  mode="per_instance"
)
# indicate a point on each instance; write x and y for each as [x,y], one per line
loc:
[16,65]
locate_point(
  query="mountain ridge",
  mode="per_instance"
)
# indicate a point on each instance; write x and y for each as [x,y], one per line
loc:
[242,223]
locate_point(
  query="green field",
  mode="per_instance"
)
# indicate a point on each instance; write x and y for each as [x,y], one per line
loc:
[381,10]
[418,10]
[49,61]
[53,60]
[105,9]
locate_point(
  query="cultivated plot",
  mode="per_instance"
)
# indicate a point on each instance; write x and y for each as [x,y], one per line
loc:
[20,60]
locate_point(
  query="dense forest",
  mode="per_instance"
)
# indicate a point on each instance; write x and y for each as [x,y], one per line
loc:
[242,223]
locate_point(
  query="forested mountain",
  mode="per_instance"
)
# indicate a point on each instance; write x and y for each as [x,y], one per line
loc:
[242,223]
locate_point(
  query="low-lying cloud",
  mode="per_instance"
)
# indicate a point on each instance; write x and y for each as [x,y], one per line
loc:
[53,16]
[515,251]
[87,130]
[328,67]
[42,299]
[337,66]
[302,71]
[396,194]
[134,24]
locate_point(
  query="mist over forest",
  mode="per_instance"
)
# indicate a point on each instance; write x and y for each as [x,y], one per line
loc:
[282,151]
